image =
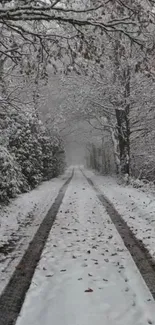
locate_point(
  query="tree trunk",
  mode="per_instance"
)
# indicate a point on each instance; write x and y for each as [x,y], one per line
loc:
[3,86]
[124,144]
[123,124]
[115,141]
[122,76]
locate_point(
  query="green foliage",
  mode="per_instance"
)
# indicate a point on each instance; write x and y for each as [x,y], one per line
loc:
[53,154]
[24,143]
[12,181]
[28,152]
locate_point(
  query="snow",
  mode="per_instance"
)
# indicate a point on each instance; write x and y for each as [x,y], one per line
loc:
[135,206]
[20,220]
[85,252]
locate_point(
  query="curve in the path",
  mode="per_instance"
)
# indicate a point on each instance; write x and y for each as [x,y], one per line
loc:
[13,296]
[138,251]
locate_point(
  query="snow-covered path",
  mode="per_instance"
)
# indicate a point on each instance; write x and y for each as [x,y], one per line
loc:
[86,275]
[137,208]
[19,222]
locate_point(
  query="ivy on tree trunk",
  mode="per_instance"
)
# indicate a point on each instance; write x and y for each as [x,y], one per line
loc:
[124,143]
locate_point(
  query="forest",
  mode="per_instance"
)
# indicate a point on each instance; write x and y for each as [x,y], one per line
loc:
[77,162]
[82,68]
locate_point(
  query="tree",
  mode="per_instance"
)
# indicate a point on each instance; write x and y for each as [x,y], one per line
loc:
[49,27]
[97,40]
[29,154]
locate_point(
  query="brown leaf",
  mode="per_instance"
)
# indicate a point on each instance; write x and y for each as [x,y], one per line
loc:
[49,275]
[106,260]
[89,290]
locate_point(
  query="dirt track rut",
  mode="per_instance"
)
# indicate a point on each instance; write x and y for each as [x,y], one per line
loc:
[138,251]
[13,296]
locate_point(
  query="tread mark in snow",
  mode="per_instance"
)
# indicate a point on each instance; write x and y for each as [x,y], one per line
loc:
[138,251]
[13,295]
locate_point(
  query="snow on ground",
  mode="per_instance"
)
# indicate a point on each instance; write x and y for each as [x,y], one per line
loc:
[86,276]
[19,222]
[136,207]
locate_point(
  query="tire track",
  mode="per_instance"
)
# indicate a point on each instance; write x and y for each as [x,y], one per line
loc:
[138,251]
[13,295]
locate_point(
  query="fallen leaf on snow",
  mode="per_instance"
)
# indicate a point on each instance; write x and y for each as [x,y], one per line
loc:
[127,289]
[89,290]
[106,260]
[84,265]
[49,275]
